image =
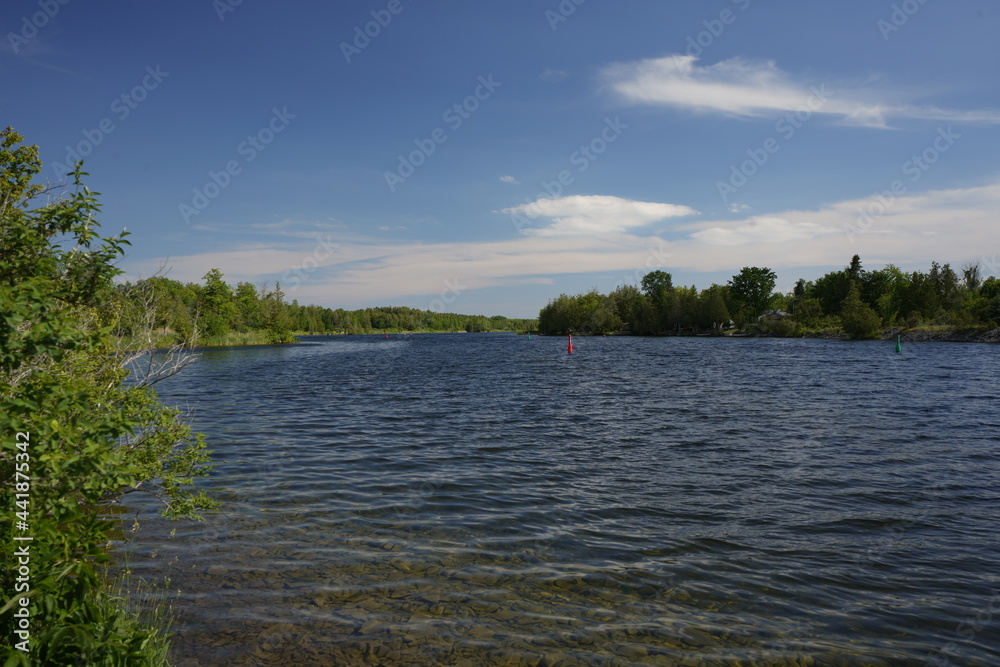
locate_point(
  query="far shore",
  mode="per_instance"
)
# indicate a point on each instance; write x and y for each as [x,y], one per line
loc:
[934,334]
[931,334]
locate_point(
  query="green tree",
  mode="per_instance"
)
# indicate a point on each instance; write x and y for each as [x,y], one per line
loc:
[274,314]
[558,316]
[477,325]
[714,313]
[658,287]
[972,276]
[947,286]
[857,317]
[656,283]
[753,287]
[626,302]
[248,307]
[920,302]
[854,271]
[808,311]
[831,290]
[683,312]
[216,309]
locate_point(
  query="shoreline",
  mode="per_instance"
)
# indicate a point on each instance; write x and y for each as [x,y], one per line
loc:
[915,335]
[931,335]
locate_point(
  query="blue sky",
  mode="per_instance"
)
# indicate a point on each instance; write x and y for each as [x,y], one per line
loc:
[484,157]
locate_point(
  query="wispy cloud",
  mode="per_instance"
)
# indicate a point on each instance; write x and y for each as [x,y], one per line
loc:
[595,214]
[509,179]
[753,88]
[946,225]
[763,229]
[34,50]
[553,75]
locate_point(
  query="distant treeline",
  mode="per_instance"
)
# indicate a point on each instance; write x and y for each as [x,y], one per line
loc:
[316,319]
[860,303]
[217,313]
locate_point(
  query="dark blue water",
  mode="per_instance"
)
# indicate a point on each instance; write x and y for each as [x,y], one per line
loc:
[490,499]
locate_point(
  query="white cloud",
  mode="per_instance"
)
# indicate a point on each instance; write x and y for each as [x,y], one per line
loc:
[553,75]
[737,207]
[752,88]
[943,225]
[509,179]
[594,214]
[762,229]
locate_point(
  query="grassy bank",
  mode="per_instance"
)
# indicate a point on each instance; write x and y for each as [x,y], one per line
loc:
[393,332]
[243,338]
[163,340]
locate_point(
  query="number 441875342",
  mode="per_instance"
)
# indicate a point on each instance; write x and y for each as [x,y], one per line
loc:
[22,478]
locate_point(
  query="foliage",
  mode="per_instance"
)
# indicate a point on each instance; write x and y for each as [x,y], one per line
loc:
[752,289]
[851,300]
[714,313]
[586,313]
[217,314]
[93,430]
[656,283]
[216,306]
[857,317]
[194,314]
[319,320]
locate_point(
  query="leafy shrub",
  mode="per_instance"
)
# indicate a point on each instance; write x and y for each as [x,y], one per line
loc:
[92,432]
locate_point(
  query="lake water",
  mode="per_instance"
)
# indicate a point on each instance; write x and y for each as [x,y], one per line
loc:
[492,500]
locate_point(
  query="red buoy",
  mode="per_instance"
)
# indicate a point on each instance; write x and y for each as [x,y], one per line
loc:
[569,350]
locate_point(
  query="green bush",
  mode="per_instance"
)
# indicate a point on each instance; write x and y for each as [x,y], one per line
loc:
[858,318]
[86,436]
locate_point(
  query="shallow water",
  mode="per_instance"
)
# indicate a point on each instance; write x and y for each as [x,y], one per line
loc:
[490,499]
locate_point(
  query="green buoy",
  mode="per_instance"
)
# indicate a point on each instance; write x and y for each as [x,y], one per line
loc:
[899,345]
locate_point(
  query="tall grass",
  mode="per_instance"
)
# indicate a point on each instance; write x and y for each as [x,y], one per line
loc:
[140,612]
[256,337]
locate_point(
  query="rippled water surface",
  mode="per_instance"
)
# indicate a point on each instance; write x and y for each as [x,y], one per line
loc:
[491,500]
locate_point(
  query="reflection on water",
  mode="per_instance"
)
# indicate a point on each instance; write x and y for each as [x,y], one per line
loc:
[491,500]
